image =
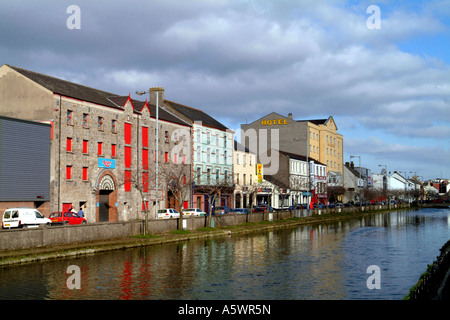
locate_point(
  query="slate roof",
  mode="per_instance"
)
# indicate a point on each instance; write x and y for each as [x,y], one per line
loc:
[88,94]
[70,89]
[195,115]
[299,157]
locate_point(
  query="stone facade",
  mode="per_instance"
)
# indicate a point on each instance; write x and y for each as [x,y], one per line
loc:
[102,146]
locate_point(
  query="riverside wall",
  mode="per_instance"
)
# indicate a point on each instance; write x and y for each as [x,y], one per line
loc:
[15,239]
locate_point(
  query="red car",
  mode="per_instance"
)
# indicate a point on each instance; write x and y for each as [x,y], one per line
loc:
[66,218]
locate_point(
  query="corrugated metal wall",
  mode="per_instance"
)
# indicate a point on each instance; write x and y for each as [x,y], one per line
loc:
[24,160]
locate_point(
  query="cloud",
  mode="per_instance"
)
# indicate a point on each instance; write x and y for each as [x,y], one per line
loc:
[242,59]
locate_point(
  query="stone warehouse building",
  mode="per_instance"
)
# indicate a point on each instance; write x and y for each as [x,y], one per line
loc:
[103,150]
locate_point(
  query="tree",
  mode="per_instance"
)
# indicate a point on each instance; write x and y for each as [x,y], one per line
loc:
[139,181]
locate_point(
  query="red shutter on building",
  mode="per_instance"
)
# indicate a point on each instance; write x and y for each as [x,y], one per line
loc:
[145,181]
[69,144]
[127,133]
[127,180]
[145,137]
[100,145]
[145,159]
[85,146]
[113,150]
[85,173]
[68,172]
[127,157]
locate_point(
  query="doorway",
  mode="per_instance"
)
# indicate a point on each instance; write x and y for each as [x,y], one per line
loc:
[103,210]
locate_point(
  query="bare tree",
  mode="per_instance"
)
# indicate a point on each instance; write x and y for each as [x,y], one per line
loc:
[139,181]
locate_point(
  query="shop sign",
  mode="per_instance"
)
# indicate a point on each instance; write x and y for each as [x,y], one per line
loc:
[106,163]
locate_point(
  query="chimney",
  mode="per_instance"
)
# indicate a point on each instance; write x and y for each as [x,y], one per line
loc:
[290,115]
[352,165]
[156,91]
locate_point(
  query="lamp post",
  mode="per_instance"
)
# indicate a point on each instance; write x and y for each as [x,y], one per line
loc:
[156,91]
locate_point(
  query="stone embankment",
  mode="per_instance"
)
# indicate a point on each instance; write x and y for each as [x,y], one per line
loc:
[62,248]
[434,284]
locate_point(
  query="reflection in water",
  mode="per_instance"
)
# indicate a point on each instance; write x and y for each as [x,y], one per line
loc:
[326,261]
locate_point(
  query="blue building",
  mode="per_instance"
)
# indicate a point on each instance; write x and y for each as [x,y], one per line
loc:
[212,157]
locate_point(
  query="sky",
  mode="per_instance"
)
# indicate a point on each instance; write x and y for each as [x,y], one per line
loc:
[380,68]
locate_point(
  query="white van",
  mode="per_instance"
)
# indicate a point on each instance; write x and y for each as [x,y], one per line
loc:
[23,217]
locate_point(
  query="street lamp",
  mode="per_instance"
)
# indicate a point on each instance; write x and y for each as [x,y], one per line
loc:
[156,90]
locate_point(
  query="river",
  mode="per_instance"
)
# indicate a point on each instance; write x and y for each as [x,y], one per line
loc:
[327,261]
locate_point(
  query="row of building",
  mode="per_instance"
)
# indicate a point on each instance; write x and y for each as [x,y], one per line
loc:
[65,145]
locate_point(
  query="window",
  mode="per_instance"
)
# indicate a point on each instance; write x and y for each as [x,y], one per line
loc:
[198,135]
[225,157]
[100,148]
[127,157]
[113,150]
[69,145]
[69,117]
[208,137]
[127,133]
[184,179]
[85,120]
[166,157]
[208,155]
[114,126]
[100,123]
[145,137]
[217,176]
[145,159]
[226,177]
[145,181]
[208,176]
[198,175]
[166,136]
[68,172]
[127,180]
[85,173]
[85,146]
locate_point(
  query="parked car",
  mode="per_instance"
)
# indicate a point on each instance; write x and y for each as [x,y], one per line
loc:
[193,212]
[263,208]
[318,206]
[241,210]
[168,213]
[23,217]
[222,210]
[70,218]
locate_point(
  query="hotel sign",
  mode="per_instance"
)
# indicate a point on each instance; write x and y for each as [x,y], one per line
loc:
[106,163]
[274,122]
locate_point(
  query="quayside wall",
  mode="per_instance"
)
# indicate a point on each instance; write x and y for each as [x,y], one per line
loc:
[434,284]
[15,239]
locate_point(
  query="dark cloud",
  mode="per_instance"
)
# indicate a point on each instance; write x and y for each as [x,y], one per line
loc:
[240,60]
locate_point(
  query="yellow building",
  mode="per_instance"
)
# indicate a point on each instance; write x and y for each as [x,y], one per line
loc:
[324,144]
